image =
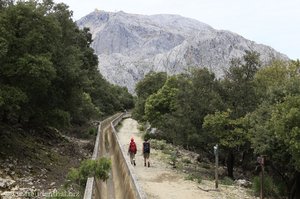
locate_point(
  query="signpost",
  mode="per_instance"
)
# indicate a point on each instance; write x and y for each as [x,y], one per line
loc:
[261,161]
[216,152]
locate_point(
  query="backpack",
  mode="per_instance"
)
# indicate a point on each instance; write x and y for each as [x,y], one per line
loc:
[132,147]
[146,146]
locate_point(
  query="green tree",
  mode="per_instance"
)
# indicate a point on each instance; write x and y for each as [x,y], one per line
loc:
[273,125]
[274,132]
[47,65]
[26,64]
[11,100]
[271,81]
[179,107]
[162,110]
[238,85]
[228,133]
[146,87]
[162,102]
[204,98]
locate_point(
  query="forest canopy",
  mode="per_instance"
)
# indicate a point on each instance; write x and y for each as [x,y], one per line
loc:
[48,71]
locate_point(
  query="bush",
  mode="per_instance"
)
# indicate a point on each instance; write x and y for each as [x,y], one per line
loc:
[147,136]
[158,144]
[89,168]
[189,177]
[162,145]
[193,177]
[186,161]
[141,127]
[168,151]
[150,136]
[270,188]
[59,118]
[93,131]
[173,158]
[226,181]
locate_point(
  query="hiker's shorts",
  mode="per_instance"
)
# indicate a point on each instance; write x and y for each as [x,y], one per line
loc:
[132,156]
[146,155]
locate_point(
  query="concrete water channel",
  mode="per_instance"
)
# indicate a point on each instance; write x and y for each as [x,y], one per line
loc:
[122,184]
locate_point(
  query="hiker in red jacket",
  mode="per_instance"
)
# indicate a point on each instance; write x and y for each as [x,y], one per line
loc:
[132,151]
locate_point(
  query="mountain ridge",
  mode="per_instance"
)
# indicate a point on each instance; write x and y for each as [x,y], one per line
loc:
[131,45]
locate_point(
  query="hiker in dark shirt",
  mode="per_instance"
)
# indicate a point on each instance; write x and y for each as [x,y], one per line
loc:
[146,152]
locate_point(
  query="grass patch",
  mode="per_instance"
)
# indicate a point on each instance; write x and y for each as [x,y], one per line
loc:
[189,177]
[226,181]
[141,128]
[194,177]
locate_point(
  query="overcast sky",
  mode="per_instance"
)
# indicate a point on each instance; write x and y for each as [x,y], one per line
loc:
[272,22]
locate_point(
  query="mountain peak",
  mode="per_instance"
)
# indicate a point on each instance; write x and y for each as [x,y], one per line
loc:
[131,45]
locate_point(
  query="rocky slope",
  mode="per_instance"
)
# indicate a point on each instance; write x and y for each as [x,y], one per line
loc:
[129,45]
[35,164]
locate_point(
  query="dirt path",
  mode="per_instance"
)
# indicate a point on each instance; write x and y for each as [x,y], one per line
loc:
[159,181]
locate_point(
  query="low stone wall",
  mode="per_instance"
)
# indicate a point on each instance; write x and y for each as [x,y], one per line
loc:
[131,189]
[93,186]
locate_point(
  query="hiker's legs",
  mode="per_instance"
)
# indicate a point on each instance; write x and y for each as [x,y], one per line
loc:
[131,157]
[146,159]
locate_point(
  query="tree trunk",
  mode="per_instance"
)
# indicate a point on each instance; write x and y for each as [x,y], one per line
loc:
[5,116]
[295,191]
[20,119]
[230,164]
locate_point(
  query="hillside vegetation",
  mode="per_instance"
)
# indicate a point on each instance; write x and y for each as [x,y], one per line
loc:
[252,111]
[48,71]
[49,86]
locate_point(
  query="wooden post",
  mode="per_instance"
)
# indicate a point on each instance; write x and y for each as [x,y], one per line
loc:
[262,177]
[216,152]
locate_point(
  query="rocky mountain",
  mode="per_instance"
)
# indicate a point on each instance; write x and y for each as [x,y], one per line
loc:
[130,45]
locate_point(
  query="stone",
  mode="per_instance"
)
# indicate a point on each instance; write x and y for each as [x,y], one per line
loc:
[6,184]
[52,184]
[30,183]
[2,185]
[243,183]
[16,188]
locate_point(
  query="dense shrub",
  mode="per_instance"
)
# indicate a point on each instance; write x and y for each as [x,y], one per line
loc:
[89,168]
[270,187]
